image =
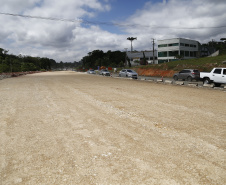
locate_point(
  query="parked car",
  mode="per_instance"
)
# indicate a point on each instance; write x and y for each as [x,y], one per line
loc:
[187,74]
[91,71]
[128,73]
[217,76]
[104,72]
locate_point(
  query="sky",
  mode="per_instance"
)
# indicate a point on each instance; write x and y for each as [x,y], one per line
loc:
[68,30]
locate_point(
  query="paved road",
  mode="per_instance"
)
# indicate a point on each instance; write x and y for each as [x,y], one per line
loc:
[74,128]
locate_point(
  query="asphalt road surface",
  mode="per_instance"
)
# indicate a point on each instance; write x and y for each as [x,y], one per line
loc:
[74,128]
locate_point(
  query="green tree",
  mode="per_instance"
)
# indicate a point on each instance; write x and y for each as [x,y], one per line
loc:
[179,57]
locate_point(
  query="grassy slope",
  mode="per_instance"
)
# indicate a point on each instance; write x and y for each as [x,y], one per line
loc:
[202,64]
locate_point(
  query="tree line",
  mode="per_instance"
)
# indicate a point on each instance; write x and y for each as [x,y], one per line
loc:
[98,58]
[14,63]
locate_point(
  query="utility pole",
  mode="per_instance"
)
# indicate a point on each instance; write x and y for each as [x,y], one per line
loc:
[153,43]
[131,39]
[125,56]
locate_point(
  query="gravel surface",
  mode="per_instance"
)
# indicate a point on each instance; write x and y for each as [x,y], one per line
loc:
[76,128]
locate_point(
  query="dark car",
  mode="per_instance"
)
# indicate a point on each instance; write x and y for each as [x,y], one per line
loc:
[187,74]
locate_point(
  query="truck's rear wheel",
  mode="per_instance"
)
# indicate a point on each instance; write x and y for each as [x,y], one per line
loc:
[206,81]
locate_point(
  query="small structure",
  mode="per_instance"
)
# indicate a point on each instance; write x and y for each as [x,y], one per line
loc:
[137,56]
[207,50]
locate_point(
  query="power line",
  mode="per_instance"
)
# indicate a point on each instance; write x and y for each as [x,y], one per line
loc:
[110,23]
[39,17]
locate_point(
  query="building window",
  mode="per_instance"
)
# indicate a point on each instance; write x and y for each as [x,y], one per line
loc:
[162,45]
[186,53]
[193,53]
[162,54]
[187,45]
[182,53]
[174,44]
[182,44]
[173,53]
[162,61]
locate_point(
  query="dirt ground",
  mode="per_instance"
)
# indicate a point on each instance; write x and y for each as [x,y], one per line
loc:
[75,128]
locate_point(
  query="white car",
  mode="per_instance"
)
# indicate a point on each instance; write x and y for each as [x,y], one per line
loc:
[104,72]
[128,73]
[216,76]
[91,71]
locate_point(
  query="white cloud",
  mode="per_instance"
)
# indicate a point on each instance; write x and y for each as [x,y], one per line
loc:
[70,41]
[165,20]
[53,39]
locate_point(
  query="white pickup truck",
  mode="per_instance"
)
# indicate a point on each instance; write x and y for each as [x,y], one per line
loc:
[216,76]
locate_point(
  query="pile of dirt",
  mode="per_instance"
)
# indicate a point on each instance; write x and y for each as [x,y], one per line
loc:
[155,72]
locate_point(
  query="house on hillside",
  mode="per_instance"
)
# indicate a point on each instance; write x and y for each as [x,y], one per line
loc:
[137,56]
[172,49]
[207,50]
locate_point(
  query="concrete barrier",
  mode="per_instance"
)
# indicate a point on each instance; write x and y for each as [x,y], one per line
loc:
[208,85]
[219,88]
[168,82]
[179,83]
[143,79]
[192,84]
[159,80]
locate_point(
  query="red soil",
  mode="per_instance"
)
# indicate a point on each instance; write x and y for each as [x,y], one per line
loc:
[155,72]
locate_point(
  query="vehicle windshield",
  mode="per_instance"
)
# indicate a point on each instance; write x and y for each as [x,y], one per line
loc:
[131,71]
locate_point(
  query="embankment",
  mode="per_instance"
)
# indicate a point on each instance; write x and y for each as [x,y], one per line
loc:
[155,72]
[15,74]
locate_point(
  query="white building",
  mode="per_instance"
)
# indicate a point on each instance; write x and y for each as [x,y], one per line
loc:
[169,49]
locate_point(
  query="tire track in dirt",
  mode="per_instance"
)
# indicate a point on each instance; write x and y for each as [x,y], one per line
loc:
[72,128]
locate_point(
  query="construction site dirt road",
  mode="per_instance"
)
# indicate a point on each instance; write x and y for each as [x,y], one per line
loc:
[75,128]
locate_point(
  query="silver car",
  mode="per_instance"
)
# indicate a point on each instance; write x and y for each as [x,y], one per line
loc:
[128,73]
[187,74]
[91,71]
[104,72]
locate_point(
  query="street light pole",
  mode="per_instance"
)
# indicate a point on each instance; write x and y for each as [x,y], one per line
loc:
[125,56]
[153,42]
[131,39]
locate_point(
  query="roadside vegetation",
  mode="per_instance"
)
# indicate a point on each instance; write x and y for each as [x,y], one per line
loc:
[202,64]
[10,63]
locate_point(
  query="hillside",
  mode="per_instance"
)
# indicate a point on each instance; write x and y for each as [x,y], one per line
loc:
[168,69]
